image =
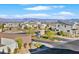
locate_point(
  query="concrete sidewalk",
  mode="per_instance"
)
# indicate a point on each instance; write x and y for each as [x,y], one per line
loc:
[67,37]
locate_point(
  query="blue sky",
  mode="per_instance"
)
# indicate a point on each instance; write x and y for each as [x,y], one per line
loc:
[52,11]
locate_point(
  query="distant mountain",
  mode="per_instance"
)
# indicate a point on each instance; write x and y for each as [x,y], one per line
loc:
[34,19]
[42,20]
[26,19]
[74,20]
[70,20]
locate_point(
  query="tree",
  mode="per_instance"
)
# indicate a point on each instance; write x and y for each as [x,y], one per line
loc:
[62,33]
[2,27]
[50,34]
[30,31]
[19,42]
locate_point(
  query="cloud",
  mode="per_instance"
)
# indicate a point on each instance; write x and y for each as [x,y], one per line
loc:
[3,16]
[39,15]
[42,15]
[32,15]
[58,6]
[65,13]
[38,8]
[43,7]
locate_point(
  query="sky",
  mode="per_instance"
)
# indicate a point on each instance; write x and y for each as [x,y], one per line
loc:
[46,11]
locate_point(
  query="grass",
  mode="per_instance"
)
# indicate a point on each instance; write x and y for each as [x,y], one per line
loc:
[52,39]
[37,44]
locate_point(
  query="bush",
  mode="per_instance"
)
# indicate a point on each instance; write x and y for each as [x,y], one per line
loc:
[62,33]
[50,34]
[20,42]
[42,46]
[57,38]
[30,31]
[37,45]
[2,27]
[15,50]
[45,37]
[9,50]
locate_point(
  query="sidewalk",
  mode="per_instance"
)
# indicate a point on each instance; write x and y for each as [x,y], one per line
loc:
[67,37]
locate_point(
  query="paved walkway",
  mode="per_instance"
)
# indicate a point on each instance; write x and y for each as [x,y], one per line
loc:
[74,38]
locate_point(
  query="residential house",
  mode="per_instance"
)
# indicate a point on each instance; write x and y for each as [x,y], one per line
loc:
[67,26]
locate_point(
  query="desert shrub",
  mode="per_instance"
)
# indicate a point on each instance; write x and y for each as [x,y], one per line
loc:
[50,34]
[57,38]
[37,45]
[30,31]
[9,50]
[45,37]
[19,42]
[15,50]
[25,44]
[42,46]
[62,33]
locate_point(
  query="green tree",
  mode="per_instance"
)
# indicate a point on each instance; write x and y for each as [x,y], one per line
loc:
[2,27]
[19,42]
[63,33]
[50,34]
[30,31]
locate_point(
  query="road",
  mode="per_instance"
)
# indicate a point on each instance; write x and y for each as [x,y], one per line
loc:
[51,44]
[54,43]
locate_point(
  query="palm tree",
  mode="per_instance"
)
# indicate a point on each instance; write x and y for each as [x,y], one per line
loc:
[2,27]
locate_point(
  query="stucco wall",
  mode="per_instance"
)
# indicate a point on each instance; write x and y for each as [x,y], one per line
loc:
[8,43]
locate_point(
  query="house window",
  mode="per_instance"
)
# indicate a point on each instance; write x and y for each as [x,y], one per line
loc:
[57,30]
[58,25]
[68,30]
[65,26]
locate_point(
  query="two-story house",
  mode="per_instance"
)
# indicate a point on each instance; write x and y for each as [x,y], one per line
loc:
[67,26]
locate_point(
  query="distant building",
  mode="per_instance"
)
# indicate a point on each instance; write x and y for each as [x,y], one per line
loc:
[42,26]
[11,25]
[69,27]
[37,33]
[42,32]
[0,30]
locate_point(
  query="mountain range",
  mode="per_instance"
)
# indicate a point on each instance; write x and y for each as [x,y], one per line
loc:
[34,19]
